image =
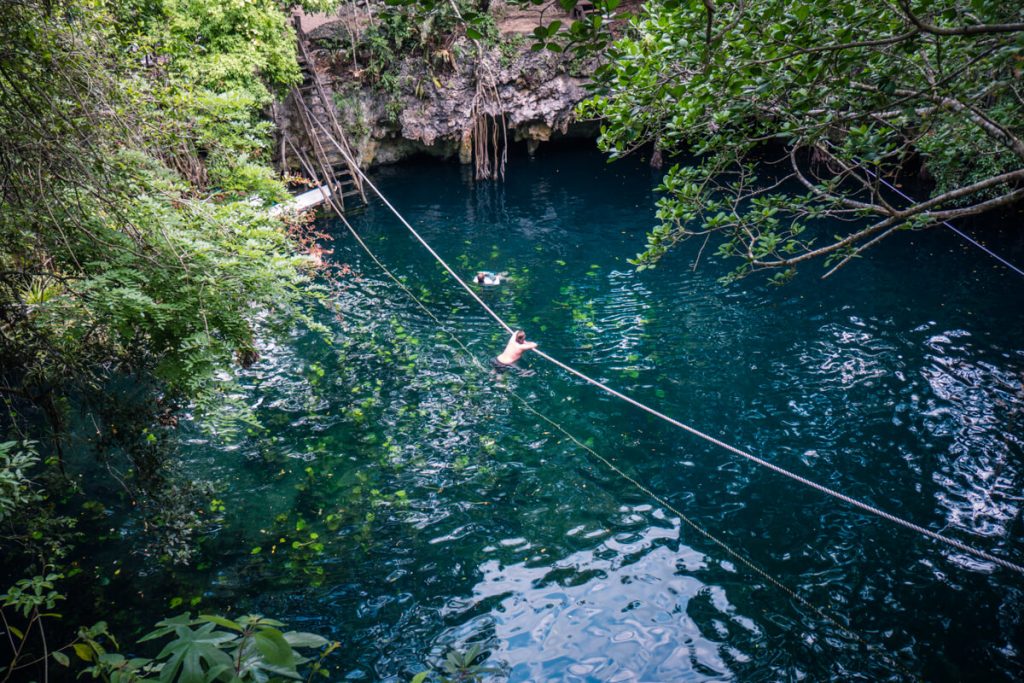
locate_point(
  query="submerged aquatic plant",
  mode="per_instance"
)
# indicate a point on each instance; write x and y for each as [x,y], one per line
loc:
[249,649]
[460,667]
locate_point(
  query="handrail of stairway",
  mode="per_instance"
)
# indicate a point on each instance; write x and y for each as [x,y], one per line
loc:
[328,103]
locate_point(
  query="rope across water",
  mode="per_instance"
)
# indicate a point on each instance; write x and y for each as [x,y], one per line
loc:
[696,526]
[952,227]
[949,225]
[951,542]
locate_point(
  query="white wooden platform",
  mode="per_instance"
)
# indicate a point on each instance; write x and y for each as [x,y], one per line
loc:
[302,202]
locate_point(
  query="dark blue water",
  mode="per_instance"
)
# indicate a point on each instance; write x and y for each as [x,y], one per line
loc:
[446,514]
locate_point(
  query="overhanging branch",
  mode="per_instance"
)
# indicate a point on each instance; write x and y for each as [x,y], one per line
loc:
[970,30]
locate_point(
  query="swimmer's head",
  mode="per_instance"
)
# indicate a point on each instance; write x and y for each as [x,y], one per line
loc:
[520,337]
[480,277]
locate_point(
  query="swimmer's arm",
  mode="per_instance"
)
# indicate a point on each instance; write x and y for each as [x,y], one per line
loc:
[526,346]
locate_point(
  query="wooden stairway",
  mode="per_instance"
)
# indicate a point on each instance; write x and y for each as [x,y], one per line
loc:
[323,152]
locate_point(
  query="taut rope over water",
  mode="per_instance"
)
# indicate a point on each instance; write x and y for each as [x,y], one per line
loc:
[696,526]
[951,542]
[952,227]
[949,225]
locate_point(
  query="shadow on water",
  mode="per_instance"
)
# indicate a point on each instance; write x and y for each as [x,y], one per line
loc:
[399,501]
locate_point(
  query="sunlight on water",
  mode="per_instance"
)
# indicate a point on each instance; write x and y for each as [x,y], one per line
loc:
[401,501]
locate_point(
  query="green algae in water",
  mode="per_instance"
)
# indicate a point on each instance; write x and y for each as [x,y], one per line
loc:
[401,503]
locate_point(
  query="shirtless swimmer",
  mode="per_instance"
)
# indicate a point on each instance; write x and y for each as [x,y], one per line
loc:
[513,351]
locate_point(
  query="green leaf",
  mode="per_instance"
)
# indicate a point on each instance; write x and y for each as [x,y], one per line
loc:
[303,639]
[473,33]
[111,658]
[221,621]
[275,649]
[61,658]
[277,672]
[422,676]
[215,672]
[193,653]
[83,651]
[166,626]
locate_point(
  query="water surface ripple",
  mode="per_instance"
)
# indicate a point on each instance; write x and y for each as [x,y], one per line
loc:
[447,514]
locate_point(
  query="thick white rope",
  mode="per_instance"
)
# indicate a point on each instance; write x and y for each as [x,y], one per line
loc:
[693,524]
[786,473]
[952,542]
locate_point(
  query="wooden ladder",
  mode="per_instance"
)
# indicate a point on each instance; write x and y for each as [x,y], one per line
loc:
[333,163]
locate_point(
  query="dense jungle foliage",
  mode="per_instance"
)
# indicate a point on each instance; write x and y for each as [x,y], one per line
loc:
[839,98]
[135,250]
[839,105]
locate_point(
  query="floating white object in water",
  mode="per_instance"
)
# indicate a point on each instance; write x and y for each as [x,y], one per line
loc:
[488,279]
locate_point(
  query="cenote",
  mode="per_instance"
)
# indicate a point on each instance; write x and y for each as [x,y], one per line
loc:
[400,500]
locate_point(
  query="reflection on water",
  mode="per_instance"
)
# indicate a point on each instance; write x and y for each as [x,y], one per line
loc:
[445,514]
[977,407]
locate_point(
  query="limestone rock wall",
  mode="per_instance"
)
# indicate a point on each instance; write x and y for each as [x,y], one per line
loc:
[428,105]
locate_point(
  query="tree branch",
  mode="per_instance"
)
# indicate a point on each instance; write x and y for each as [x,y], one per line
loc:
[730,26]
[857,252]
[709,5]
[835,246]
[972,30]
[880,42]
[991,128]
[959,192]
[818,192]
[975,209]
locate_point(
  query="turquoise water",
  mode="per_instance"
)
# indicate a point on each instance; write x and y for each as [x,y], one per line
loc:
[447,514]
